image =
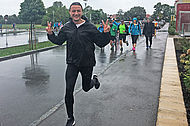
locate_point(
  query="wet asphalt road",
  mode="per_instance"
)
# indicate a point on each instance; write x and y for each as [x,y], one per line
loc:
[32,85]
[128,95]
[20,38]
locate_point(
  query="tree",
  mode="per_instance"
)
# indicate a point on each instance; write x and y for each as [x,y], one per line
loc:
[56,13]
[138,12]
[166,12]
[120,13]
[32,11]
[162,12]
[58,4]
[14,19]
[96,16]
[1,19]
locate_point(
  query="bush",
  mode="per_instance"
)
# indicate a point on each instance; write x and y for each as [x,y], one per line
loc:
[185,63]
[172,31]
[172,28]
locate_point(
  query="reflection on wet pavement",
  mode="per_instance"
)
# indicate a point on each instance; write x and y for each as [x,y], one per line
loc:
[22,38]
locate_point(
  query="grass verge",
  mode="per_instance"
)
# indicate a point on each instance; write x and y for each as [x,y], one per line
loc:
[23,48]
[23,26]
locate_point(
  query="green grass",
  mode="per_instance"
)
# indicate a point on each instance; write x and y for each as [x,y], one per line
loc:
[23,48]
[27,26]
[23,26]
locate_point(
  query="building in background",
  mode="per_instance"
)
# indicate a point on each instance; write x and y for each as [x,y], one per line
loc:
[182,9]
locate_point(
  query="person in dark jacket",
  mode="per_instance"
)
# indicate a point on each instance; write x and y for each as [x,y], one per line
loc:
[81,35]
[148,31]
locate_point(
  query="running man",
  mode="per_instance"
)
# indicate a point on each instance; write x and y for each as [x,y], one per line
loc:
[113,32]
[134,31]
[81,35]
[148,31]
[123,31]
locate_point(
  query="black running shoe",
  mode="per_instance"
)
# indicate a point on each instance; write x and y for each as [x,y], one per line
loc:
[112,48]
[127,44]
[70,122]
[121,49]
[96,82]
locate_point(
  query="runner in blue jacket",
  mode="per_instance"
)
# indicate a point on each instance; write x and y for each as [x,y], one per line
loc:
[134,31]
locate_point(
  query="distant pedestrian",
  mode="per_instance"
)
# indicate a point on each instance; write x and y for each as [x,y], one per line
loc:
[81,35]
[113,32]
[14,26]
[123,32]
[148,31]
[134,31]
[117,24]
[1,27]
[56,26]
[101,28]
[156,26]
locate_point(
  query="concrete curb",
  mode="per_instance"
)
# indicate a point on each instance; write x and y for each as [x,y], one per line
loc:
[171,110]
[27,53]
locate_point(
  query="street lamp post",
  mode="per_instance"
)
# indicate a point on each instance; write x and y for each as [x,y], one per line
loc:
[53,16]
[85,2]
[6,19]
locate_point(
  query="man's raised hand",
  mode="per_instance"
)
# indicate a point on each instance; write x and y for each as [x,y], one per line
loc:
[48,28]
[106,26]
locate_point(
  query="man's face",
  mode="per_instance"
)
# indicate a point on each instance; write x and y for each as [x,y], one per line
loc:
[76,12]
[135,21]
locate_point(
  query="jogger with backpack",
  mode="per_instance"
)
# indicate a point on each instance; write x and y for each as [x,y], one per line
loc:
[134,31]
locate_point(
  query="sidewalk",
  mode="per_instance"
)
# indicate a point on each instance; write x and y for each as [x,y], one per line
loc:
[128,95]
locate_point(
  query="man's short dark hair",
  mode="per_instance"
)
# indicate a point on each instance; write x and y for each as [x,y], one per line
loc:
[75,3]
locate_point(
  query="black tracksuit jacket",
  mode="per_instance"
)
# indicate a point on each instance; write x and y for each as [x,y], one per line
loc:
[80,42]
[148,29]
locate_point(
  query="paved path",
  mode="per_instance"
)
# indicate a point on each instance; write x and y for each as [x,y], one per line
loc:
[128,95]
[171,111]
[31,85]
[32,88]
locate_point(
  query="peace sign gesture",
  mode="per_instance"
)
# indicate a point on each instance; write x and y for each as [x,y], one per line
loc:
[106,26]
[48,29]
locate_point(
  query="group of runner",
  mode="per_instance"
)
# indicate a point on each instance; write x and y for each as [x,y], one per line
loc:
[119,32]
[82,36]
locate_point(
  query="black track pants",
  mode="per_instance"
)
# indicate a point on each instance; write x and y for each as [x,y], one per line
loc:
[71,77]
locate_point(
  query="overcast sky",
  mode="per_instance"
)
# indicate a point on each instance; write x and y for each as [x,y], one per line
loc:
[11,7]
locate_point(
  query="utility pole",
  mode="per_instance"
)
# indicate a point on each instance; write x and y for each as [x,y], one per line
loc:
[53,16]
[6,19]
[85,4]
